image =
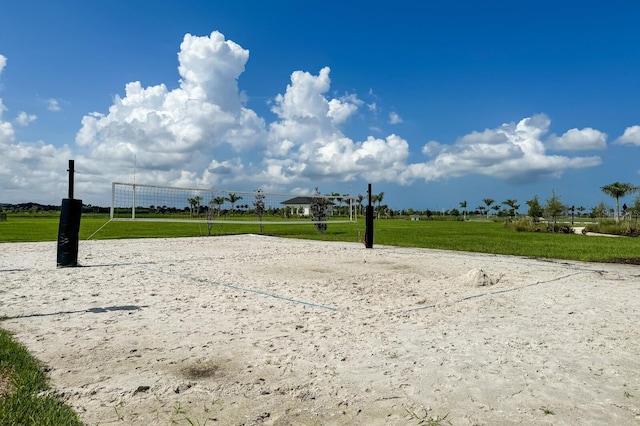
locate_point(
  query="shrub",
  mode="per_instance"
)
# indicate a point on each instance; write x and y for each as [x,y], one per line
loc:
[528,225]
[613,228]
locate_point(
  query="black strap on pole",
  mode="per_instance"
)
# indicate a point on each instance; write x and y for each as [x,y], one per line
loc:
[368,233]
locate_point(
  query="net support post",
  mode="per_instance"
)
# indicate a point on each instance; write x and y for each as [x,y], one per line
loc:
[69,226]
[368,233]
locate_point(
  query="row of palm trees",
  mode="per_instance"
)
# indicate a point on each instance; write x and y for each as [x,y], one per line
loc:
[194,203]
[615,190]
[510,202]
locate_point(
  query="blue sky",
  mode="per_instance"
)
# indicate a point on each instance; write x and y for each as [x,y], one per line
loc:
[433,103]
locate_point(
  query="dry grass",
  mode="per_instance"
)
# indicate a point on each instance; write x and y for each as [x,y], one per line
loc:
[6,385]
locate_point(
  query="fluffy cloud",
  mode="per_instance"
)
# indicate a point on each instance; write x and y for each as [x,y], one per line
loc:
[574,140]
[171,131]
[306,142]
[23,119]
[6,129]
[630,136]
[512,152]
[25,166]
[202,134]
[7,134]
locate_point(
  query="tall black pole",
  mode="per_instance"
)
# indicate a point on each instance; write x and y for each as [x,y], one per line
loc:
[71,171]
[368,233]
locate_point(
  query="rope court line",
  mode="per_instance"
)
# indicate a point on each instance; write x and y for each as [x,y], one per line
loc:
[231,286]
[477,296]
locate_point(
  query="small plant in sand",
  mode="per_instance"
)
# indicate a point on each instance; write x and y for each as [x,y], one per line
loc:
[319,211]
[547,411]
[119,415]
[425,419]
[258,203]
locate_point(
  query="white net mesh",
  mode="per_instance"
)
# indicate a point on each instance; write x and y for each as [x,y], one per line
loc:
[170,204]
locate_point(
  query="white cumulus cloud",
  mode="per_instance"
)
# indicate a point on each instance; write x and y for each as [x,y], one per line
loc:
[513,152]
[7,134]
[171,131]
[201,133]
[306,142]
[575,140]
[30,171]
[630,136]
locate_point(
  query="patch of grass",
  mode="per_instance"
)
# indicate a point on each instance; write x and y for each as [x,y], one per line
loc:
[426,420]
[492,237]
[21,402]
[472,236]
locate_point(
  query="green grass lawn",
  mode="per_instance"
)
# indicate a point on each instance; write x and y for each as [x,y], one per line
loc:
[474,236]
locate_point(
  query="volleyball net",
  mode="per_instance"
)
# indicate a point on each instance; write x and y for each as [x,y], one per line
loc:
[138,202]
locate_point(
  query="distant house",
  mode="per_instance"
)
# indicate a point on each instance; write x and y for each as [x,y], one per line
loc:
[301,206]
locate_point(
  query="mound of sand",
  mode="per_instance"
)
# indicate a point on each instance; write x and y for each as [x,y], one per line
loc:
[477,277]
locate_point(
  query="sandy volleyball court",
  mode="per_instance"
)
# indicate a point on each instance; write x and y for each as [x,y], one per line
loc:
[260,330]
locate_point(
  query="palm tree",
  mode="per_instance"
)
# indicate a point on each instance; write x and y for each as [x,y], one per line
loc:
[347,200]
[194,205]
[339,198]
[463,206]
[379,198]
[617,190]
[233,199]
[197,200]
[218,201]
[513,206]
[359,200]
[374,199]
[488,202]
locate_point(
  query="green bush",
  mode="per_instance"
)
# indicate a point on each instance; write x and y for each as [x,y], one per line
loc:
[528,225]
[613,228]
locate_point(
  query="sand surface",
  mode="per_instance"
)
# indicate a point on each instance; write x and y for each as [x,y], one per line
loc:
[259,330]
